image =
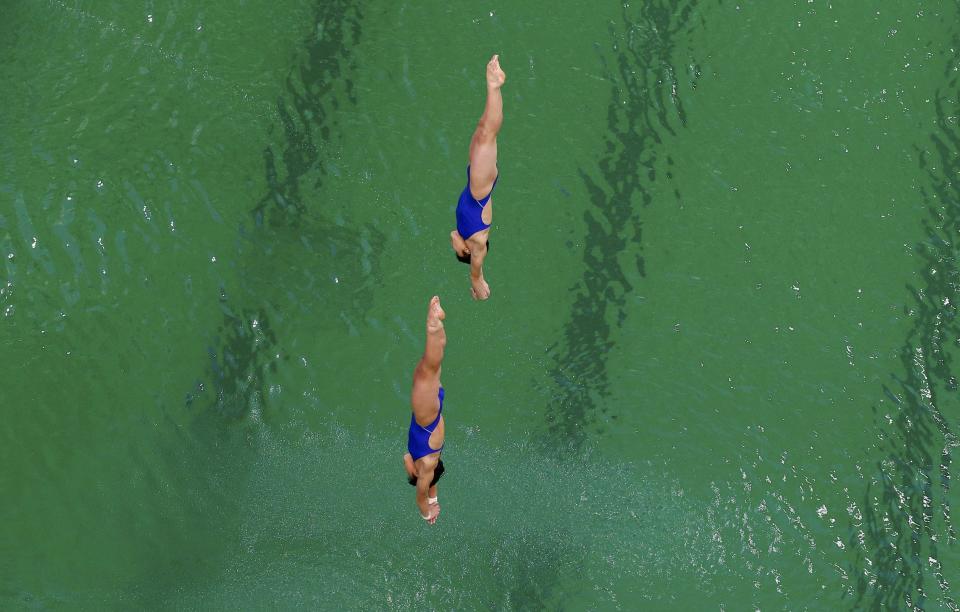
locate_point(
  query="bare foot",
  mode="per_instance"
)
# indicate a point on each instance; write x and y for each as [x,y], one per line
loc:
[459,244]
[480,290]
[435,315]
[495,76]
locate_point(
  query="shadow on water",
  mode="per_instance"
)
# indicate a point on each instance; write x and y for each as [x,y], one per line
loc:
[644,106]
[276,288]
[906,529]
[287,227]
[308,120]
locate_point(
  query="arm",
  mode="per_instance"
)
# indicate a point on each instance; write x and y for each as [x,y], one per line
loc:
[478,252]
[427,512]
[479,287]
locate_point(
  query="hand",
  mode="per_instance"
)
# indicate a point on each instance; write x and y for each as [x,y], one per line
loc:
[480,289]
[495,76]
[433,511]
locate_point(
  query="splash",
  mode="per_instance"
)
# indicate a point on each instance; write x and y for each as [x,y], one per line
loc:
[329,520]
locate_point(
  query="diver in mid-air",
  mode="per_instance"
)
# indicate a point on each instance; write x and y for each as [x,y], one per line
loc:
[475,209]
[474,216]
[425,438]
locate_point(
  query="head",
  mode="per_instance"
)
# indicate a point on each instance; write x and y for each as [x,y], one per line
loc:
[412,468]
[465,258]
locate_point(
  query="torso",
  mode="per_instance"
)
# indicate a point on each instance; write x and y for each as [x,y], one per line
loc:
[471,221]
[436,438]
[425,419]
[480,238]
[487,215]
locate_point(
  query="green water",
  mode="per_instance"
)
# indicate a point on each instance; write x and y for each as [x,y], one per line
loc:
[717,370]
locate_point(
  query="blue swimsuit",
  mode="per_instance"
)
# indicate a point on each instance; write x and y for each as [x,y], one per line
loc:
[418,441]
[469,209]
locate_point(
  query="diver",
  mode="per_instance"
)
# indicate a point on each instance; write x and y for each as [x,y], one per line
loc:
[425,438]
[475,210]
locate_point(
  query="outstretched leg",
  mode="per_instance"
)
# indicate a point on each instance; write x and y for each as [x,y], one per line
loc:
[426,377]
[483,145]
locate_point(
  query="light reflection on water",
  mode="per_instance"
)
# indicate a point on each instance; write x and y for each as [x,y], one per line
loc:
[906,531]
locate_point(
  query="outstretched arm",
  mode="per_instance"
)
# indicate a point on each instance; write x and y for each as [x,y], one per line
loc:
[428,512]
[479,288]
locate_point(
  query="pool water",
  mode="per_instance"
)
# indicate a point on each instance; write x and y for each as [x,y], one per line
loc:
[717,370]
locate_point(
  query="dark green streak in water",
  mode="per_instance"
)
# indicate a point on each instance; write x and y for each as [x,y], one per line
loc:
[907,520]
[287,222]
[308,121]
[644,104]
[187,207]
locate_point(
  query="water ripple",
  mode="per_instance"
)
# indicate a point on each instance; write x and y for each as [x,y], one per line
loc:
[907,530]
[287,223]
[645,105]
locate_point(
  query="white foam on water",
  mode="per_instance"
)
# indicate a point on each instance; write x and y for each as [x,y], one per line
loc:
[330,520]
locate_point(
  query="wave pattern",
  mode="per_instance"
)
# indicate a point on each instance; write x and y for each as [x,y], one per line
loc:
[906,534]
[645,105]
[318,87]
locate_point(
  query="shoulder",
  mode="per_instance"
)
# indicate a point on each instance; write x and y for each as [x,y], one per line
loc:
[429,462]
[478,240]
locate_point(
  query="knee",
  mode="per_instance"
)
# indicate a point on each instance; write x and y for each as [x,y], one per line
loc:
[485,134]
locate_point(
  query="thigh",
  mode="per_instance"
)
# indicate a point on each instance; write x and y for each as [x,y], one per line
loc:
[483,167]
[424,397]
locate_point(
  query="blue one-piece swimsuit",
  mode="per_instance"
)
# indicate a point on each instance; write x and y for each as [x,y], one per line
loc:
[418,440]
[469,210]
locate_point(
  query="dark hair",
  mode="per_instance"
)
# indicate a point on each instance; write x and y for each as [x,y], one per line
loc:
[466,258]
[437,473]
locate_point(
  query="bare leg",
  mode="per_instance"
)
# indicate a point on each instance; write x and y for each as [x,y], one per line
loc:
[483,145]
[426,377]
[483,172]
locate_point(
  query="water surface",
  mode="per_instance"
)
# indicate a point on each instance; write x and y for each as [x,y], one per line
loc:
[717,370]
